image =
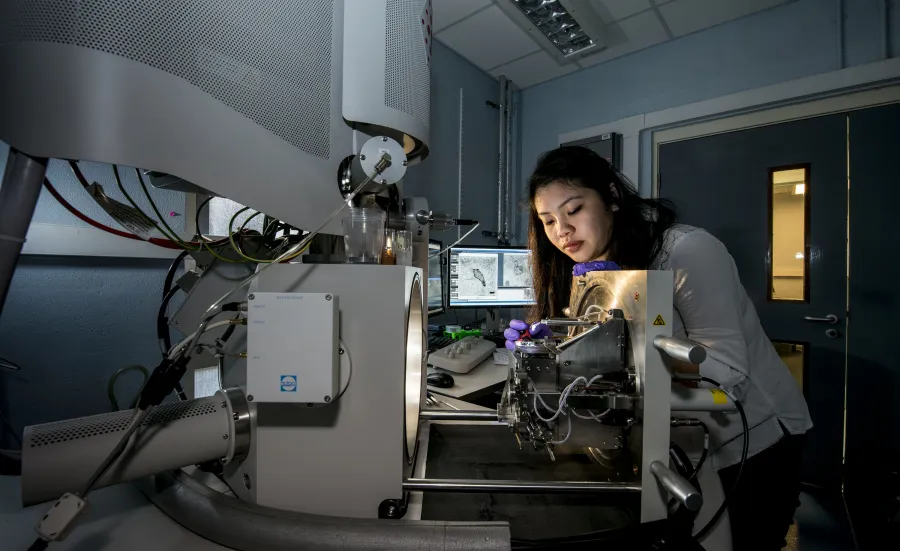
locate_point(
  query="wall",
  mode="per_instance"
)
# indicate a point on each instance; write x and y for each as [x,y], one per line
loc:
[785,43]
[437,178]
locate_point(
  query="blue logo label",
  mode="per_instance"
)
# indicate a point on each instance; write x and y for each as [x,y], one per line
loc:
[288,383]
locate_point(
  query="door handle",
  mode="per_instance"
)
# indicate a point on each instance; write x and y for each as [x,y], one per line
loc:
[830,318]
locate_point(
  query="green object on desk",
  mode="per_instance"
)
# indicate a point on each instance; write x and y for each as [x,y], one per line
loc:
[463,333]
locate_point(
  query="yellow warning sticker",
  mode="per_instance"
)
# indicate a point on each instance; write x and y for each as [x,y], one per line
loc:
[719,397]
[659,320]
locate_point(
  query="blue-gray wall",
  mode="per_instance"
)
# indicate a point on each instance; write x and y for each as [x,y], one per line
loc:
[792,41]
[437,178]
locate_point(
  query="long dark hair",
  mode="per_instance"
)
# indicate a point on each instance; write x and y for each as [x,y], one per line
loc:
[637,230]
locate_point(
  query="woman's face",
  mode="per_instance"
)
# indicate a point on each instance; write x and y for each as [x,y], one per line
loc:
[575,219]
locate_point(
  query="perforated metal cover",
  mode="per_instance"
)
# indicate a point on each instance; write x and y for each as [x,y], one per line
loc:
[406,52]
[87,427]
[269,60]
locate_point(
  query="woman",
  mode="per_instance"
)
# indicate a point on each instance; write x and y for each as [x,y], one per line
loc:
[583,211]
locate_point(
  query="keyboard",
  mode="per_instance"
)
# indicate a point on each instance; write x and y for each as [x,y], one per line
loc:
[463,355]
[436,342]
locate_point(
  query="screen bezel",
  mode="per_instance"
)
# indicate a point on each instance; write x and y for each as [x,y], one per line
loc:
[490,248]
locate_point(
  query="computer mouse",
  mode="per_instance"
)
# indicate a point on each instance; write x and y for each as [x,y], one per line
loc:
[440,380]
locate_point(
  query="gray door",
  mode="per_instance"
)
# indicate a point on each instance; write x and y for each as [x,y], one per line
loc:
[873,363]
[776,196]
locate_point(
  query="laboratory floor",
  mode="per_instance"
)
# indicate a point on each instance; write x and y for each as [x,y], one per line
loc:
[821,524]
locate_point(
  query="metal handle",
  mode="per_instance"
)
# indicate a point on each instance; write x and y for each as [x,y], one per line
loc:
[830,318]
[679,349]
[681,489]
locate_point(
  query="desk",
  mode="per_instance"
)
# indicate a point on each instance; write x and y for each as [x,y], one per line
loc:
[485,378]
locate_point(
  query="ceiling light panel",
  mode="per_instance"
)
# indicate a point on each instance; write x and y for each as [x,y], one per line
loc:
[566,29]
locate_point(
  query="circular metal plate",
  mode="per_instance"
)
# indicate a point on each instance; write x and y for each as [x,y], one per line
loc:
[415,367]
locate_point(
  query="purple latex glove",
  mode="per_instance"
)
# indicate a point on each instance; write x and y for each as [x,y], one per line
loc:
[594,266]
[517,328]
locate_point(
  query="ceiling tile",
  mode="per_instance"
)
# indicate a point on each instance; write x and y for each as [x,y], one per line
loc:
[535,68]
[488,39]
[448,12]
[620,9]
[641,31]
[687,16]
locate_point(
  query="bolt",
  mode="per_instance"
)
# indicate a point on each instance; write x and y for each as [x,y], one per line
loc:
[251,296]
[383,181]
[341,351]
[223,404]
[224,437]
[327,297]
[250,398]
[384,138]
[327,399]
[235,416]
[405,163]
[362,157]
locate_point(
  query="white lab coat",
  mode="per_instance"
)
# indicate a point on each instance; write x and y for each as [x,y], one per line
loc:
[713,309]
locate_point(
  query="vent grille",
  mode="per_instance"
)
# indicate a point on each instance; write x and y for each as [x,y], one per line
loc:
[406,53]
[87,427]
[269,60]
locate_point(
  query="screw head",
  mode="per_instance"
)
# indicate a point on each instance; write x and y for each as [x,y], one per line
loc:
[362,157]
[405,163]
[223,404]
[384,138]
[224,437]
[327,399]
[235,416]
[327,297]
[341,351]
[251,296]
[249,397]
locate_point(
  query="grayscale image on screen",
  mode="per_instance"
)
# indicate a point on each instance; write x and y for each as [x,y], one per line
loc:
[516,272]
[477,275]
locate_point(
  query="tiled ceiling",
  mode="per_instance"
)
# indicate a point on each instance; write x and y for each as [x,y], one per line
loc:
[481,32]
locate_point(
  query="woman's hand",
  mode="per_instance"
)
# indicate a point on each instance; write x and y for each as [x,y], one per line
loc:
[518,329]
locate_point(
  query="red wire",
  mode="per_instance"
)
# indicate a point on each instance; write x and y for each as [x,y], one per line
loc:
[78,214]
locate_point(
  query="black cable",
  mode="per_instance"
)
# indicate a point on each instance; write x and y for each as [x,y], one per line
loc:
[170,275]
[702,455]
[746,445]
[165,338]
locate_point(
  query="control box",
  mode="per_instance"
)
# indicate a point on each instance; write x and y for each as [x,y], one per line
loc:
[292,347]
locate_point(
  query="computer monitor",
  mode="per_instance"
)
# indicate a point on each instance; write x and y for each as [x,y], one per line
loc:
[490,277]
[435,278]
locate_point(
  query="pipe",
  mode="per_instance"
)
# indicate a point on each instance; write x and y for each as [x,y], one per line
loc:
[507,161]
[516,486]
[886,29]
[444,415]
[681,489]
[501,159]
[18,196]
[244,526]
[459,168]
[679,349]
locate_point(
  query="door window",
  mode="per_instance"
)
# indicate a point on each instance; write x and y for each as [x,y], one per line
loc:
[788,234]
